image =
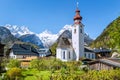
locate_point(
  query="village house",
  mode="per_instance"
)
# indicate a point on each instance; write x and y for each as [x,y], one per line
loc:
[102,53]
[97,53]
[89,53]
[26,53]
[22,51]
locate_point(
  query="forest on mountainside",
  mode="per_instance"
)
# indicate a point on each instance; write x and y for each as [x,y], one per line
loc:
[110,37]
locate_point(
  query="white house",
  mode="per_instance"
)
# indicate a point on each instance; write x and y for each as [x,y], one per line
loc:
[22,51]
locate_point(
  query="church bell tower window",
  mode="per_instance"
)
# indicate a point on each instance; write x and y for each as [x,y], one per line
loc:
[74,30]
[80,30]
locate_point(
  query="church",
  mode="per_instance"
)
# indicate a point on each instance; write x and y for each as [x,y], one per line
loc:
[72,49]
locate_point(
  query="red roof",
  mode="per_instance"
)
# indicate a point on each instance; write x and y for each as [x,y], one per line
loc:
[77,16]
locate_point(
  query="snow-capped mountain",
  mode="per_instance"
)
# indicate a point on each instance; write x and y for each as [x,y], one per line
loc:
[66,27]
[18,31]
[46,38]
[32,38]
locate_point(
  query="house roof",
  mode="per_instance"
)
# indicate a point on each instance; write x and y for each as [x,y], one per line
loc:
[102,50]
[22,49]
[107,61]
[64,43]
[88,50]
[43,50]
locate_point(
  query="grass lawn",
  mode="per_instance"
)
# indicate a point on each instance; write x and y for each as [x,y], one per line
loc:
[36,75]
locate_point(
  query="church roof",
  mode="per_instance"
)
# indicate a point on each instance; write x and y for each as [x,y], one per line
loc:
[64,43]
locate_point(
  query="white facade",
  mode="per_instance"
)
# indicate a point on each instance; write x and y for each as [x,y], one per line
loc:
[12,55]
[78,40]
[65,54]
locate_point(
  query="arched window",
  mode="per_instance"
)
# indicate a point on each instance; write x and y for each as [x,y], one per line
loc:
[63,54]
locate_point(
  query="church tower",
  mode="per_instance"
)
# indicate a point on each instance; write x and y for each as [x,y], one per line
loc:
[78,35]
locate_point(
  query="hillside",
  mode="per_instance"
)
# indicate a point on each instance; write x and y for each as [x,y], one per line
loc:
[110,37]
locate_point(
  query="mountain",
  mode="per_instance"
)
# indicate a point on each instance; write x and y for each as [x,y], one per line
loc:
[32,38]
[6,36]
[46,38]
[18,31]
[110,37]
[66,34]
[87,39]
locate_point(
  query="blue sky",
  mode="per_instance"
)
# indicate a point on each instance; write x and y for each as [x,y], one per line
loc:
[52,15]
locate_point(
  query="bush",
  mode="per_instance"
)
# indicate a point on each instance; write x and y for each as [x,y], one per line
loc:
[13,63]
[14,74]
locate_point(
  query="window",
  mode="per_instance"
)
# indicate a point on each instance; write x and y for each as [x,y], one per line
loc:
[85,54]
[80,30]
[74,30]
[88,55]
[63,54]
[69,55]
[92,56]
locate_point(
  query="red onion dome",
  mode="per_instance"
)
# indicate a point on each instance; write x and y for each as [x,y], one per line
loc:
[77,16]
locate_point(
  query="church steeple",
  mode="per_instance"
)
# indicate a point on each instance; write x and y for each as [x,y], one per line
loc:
[78,36]
[77,17]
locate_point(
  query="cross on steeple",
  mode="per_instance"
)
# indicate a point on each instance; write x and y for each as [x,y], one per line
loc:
[77,4]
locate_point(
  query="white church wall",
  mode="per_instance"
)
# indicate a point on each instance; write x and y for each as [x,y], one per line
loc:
[64,54]
[58,53]
[78,40]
